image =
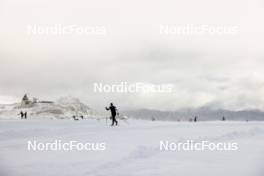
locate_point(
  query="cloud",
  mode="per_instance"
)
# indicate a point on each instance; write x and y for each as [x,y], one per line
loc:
[220,70]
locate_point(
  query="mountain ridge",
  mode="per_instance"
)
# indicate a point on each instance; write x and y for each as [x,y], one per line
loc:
[203,114]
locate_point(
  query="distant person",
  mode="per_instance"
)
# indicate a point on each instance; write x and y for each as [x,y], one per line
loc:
[113,110]
[195,119]
[25,115]
[223,119]
[21,114]
[81,117]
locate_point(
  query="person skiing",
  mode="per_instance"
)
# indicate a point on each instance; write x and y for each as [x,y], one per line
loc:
[113,110]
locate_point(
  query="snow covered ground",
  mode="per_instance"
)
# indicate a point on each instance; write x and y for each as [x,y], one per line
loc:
[132,149]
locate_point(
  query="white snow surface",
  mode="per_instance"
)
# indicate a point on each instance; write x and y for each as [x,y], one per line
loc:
[132,148]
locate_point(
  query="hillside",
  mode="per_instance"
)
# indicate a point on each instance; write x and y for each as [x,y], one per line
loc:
[64,107]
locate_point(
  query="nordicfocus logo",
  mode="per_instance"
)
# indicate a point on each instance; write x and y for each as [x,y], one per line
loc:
[191,29]
[60,29]
[58,145]
[190,145]
[139,87]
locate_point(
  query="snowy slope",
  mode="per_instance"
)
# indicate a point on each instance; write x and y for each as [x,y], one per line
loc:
[132,149]
[64,107]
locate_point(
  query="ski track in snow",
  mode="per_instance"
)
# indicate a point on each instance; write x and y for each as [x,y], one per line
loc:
[144,152]
[140,153]
[136,146]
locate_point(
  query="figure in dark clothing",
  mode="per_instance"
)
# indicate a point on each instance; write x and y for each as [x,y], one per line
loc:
[25,114]
[81,117]
[113,110]
[21,114]
[195,119]
[223,119]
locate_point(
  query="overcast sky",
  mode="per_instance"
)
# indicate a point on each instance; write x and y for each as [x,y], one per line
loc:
[219,70]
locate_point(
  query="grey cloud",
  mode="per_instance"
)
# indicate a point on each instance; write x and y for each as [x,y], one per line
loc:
[203,69]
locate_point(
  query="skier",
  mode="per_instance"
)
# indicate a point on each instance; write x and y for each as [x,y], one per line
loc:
[81,117]
[195,119]
[113,110]
[223,119]
[25,114]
